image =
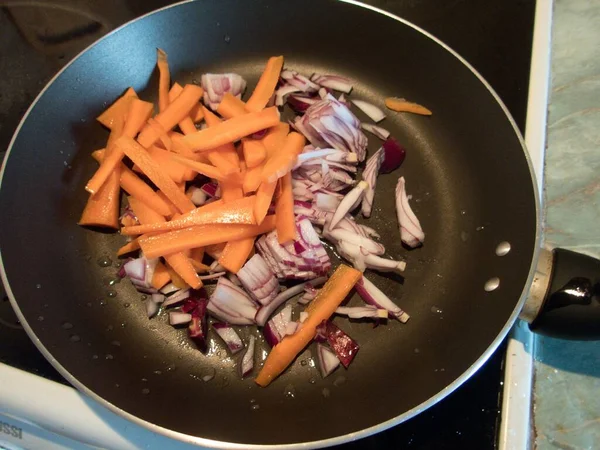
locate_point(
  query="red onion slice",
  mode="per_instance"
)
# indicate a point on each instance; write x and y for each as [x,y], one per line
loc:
[384,265]
[363,242]
[179,318]
[411,232]
[374,113]
[283,92]
[198,327]
[362,312]
[303,316]
[300,81]
[326,202]
[197,195]
[177,297]
[211,189]
[217,85]
[372,295]
[350,201]
[231,304]
[151,308]
[168,289]
[157,298]
[259,280]
[212,276]
[394,155]
[328,361]
[334,82]
[248,359]
[343,345]
[230,337]
[136,269]
[370,176]
[381,133]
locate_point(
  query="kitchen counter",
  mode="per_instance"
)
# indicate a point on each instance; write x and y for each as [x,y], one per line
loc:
[567,374]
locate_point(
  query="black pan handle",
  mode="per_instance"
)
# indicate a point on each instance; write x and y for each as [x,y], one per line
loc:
[565,297]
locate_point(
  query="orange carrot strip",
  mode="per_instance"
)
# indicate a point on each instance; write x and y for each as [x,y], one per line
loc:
[266,84]
[230,190]
[275,137]
[176,278]
[282,162]
[232,130]
[252,179]
[264,196]
[215,250]
[403,105]
[231,106]
[225,151]
[204,169]
[177,172]
[236,253]
[181,264]
[196,114]
[145,214]
[196,257]
[172,208]
[322,307]
[174,91]
[239,211]
[139,112]
[129,247]
[284,211]
[152,170]
[164,79]
[117,111]
[175,112]
[254,152]
[161,276]
[201,236]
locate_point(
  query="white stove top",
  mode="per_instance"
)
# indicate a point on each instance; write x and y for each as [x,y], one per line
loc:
[36,413]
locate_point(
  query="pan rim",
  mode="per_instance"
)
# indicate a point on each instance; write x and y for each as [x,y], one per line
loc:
[196,440]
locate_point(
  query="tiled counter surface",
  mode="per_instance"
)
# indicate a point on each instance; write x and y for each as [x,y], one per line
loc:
[567,374]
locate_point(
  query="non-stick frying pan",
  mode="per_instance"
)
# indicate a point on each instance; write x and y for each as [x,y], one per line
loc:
[466,169]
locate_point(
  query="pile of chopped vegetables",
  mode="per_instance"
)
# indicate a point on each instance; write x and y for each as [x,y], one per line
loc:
[222,191]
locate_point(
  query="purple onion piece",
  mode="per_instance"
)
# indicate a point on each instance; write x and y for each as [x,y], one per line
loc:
[198,327]
[411,232]
[179,318]
[394,155]
[136,269]
[328,361]
[247,363]
[121,273]
[303,316]
[210,189]
[380,132]
[343,345]
[229,336]
[151,308]
[370,176]
[231,304]
[259,280]
[177,297]
[349,202]
[216,85]
[334,82]
[271,335]
[157,298]
[169,289]
[374,113]
[362,312]
[373,296]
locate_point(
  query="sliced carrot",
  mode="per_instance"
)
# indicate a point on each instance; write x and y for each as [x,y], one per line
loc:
[181,264]
[197,114]
[283,161]
[230,190]
[164,79]
[284,211]
[238,211]
[177,172]
[231,106]
[215,250]
[152,170]
[266,84]
[264,196]
[403,105]
[176,278]
[196,256]
[223,157]
[128,221]
[321,308]
[175,112]
[145,214]
[204,169]
[275,137]
[201,236]
[102,208]
[117,110]
[172,208]
[232,130]
[254,152]
[137,188]
[161,276]
[252,179]
[129,247]
[138,113]
[236,253]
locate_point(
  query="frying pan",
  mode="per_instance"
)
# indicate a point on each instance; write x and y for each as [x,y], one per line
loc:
[472,187]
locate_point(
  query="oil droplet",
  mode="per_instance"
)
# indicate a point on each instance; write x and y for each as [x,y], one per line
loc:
[74,338]
[503,248]
[209,375]
[144,297]
[88,304]
[255,407]
[114,281]
[339,381]
[104,261]
[289,391]
[117,385]
[145,391]
[325,392]
[436,310]
[116,343]
[463,212]
[40,318]
[157,372]
[109,356]
[94,356]
[227,39]
[144,380]
[171,367]
[417,350]
[67,325]
[303,362]
[123,325]
[480,228]
[252,400]
[38,286]
[102,302]
[126,305]
[312,381]
[109,328]
[111,294]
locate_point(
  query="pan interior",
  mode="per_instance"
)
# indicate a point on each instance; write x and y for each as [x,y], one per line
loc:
[465,170]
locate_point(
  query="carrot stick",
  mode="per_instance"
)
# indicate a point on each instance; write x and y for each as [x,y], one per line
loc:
[172,208]
[322,307]
[232,130]
[275,137]
[252,179]
[266,84]
[403,105]
[152,170]
[129,247]
[282,162]
[175,278]
[177,172]
[284,211]
[161,276]
[138,114]
[145,214]
[230,190]
[231,106]
[235,212]
[236,253]
[264,195]
[164,79]
[226,151]
[200,236]
[204,169]
[196,257]
[137,188]
[254,152]
[117,111]
[175,112]
[215,250]
[181,264]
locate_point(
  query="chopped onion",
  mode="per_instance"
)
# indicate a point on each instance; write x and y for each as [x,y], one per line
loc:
[231,304]
[212,276]
[326,202]
[265,312]
[370,176]
[394,155]
[198,327]
[300,103]
[157,298]
[384,265]
[169,288]
[248,358]
[363,242]
[343,345]
[411,232]
[303,316]
[362,312]
[229,336]
[151,308]
[374,113]
[271,334]
[217,85]
[381,133]
[197,195]
[350,201]
[283,92]
[178,318]
[300,81]
[328,361]
[136,269]
[372,295]
[334,82]
[259,280]
[177,297]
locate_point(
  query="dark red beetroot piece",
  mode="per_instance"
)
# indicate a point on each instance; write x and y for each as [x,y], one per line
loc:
[394,155]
